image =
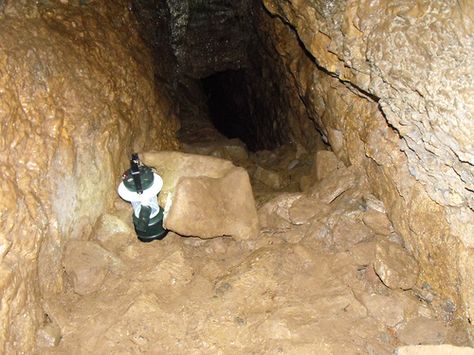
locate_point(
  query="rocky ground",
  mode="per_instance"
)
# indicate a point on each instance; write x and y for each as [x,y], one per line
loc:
[326,273]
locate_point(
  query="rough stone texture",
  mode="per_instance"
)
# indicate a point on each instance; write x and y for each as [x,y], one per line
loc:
[87,263]
[421,331]
[76,96]
[390,87]
[395,267]
[444,349]
[282,292]
[48,336]
[172,166]
[204,196]
[271,178]
[230,149]
[325,162]
[203,36]
[377,221]
[209,207]
[208,36]
[385,309]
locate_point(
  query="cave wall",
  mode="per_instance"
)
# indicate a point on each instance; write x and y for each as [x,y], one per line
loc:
[208,36]
[389,84]
[76,96]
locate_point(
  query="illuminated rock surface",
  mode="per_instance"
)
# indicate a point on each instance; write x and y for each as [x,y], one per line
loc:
[76,96]
[363,182]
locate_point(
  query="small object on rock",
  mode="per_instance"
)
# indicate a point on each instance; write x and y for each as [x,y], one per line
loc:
[444,349]
[421,331]
[395,266]
[48,336]
[293,164]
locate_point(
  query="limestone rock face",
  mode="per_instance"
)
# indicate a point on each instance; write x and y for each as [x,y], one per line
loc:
[395,267]
[76,96]
[390,88]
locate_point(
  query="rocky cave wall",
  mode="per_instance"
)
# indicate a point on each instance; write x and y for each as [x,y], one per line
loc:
[390,86]
[76,96]
[220,41]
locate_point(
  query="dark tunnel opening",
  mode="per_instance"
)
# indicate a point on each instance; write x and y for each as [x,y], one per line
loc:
[219,66]
[228,100]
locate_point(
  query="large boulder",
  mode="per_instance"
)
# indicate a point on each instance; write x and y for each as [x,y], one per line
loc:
[205,196]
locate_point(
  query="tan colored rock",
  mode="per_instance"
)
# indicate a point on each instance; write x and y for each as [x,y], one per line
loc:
[444,349]
[113,233]
[270,178]
[171,166]
[87,264]
[335,184]
[229,149]
[395,266]
[173,271]
[325,163]
[48,336]
[385,309]
[305,208]
[378,222]
[421,331]
[364,253]
[208,207]
[275,214]
[346,232]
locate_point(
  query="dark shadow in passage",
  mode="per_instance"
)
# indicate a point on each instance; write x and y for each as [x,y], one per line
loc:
[229,105]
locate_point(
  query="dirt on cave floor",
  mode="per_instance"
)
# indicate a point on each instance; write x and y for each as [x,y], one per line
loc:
[326,274]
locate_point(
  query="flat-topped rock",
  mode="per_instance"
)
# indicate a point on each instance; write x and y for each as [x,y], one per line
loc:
[206,197]
[172,165]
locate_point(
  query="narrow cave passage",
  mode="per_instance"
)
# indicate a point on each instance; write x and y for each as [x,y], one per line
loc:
[228,98]
[318,230]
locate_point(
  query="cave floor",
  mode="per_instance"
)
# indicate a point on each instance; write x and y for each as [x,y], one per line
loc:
[306,285]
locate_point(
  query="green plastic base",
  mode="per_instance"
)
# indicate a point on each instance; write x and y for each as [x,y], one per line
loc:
[154,231]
